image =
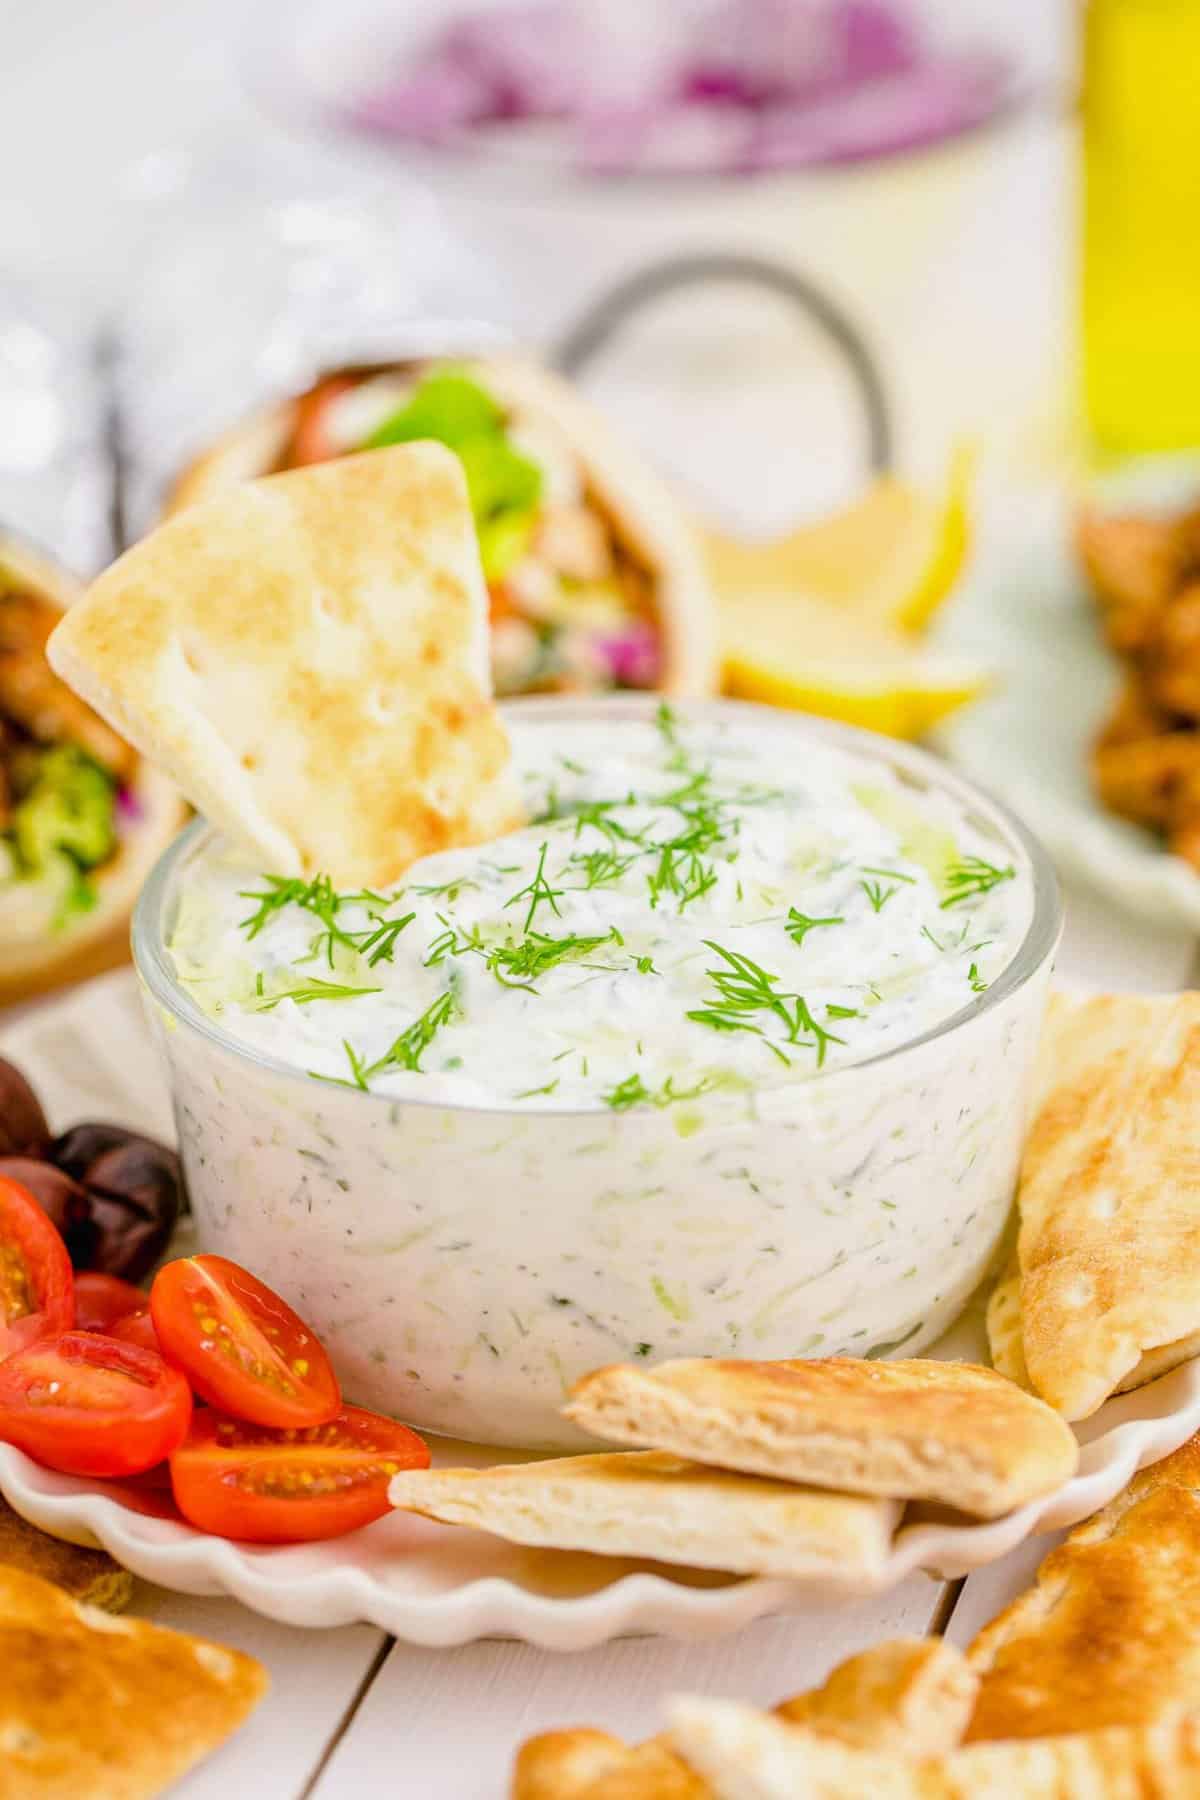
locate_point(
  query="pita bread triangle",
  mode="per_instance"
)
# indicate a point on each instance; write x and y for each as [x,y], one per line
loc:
[307,657]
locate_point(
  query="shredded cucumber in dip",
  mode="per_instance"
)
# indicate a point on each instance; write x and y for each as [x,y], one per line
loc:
[692,908]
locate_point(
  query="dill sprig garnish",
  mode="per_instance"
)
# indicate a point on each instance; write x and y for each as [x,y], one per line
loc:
[978,984]
[451,941]
[449,890]
[972,877]
[799,925]
[877,894]
[539,891]
[318,896]
[307,991]
[379,945]
[407,1050]
[744,989]
[519,965]
[634,1092]
[601,868]
[889,874]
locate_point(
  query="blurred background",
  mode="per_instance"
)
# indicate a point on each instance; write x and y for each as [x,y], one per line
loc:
[897,295]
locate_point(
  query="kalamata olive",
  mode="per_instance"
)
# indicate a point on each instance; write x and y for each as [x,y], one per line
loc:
[133,1189]
[23,1127]
[64,1201]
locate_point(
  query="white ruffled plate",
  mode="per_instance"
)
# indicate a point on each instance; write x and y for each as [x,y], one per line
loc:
[431,1584]
[1025,614]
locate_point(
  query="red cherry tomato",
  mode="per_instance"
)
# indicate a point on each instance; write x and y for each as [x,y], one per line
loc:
[242,1348]
[89,1405]
[101,1300]
[272,1487]
[137,1328]
[36,1285]
[311,442]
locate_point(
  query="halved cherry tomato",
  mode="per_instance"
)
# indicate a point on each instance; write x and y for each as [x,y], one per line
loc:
[89,1405]
[100,1300]
[276,1487]
[37,1296]
[137,1328]
[311,442]
[242,1348]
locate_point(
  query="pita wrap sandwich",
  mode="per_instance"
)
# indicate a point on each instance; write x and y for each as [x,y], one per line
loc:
[594,579]
[82,817]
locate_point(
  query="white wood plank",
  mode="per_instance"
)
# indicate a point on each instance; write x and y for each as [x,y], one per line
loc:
[450,1724]
[315,1681]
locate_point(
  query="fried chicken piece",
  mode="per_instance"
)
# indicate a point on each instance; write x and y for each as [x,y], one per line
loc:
[1143,762]
[1133,563]
[1171,654]
[33,697]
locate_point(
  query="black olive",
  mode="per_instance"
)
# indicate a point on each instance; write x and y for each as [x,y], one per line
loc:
[23,1127]
[133,1188]
[65,1202]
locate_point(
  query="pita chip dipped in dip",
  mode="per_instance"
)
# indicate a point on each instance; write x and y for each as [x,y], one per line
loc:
[307,657]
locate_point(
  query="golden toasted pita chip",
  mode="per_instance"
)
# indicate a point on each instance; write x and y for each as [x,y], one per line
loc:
[664,1509]
[113,1709]
[307,657]
[1110,1633]
[1109,1242]
[88,1575]
[913,1695]
[747,1755]
[1008,1348]
[908,1430]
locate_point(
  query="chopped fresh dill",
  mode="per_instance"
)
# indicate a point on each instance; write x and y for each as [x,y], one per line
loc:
[978,985]
[311,989]
[877,894]
[644,965]
[889,874]
[972,877]
[939,947]
[407,1050]
[601,868]
[745,989]
[519,965]
[568,763]
[532,1093]
[450,941]
[800,924]
[841,1012]
[634,1092]
[318,897]
[380,945]
[448,890]
[539,891]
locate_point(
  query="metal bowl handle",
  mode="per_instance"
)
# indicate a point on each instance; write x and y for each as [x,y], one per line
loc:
[612,311]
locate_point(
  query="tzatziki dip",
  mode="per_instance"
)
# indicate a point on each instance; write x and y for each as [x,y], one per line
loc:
[726,1052]
[690,909]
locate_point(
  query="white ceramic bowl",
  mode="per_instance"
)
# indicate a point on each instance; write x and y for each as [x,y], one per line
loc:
[465,1264]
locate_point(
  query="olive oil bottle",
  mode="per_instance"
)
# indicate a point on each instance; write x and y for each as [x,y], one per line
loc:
[1141,226]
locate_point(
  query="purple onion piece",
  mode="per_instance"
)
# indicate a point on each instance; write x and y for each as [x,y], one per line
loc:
[634,657]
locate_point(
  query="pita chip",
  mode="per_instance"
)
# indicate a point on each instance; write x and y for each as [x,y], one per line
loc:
[1109,1243]
[88,1575]
[1008,1347]
[1110,1632]
[114,1709]
[665,1510]
[307,657]
[911,1695]
[910,1430]
[748,1755]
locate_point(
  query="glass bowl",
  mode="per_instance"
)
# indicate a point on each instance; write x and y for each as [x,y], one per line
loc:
[465,1264]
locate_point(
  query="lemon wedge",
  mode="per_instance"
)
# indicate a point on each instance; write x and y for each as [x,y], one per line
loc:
[798,650]
[890,560]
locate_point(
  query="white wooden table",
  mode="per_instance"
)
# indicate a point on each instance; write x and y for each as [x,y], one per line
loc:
[354,1715]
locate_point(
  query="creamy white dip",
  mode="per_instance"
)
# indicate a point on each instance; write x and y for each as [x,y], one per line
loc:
[574,1168]
[691,908]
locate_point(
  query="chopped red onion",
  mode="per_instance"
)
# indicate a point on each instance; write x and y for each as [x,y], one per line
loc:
[634,656]
[129,808]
